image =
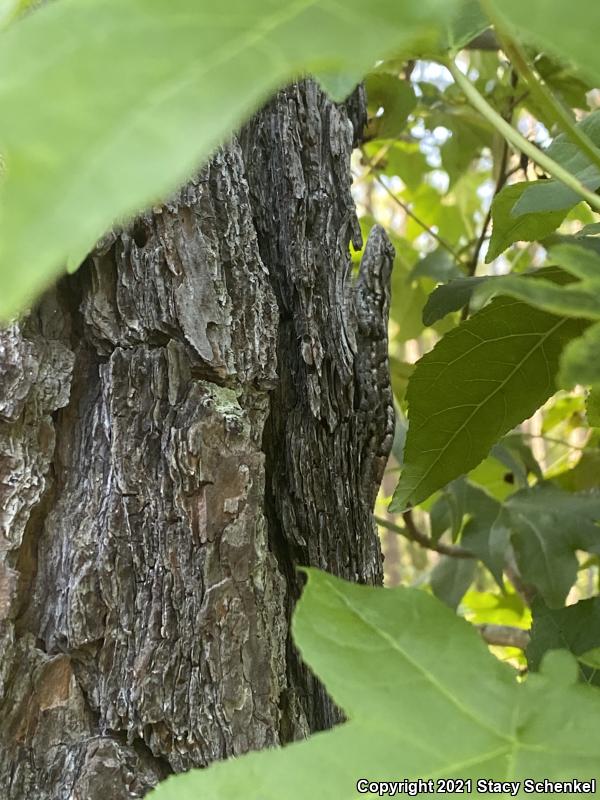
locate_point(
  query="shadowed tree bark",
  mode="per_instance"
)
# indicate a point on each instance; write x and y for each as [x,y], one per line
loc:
[203,407]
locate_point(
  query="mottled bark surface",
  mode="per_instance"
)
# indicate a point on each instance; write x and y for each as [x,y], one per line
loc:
[203,407]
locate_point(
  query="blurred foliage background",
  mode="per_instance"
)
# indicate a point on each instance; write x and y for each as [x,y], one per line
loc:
[428,172]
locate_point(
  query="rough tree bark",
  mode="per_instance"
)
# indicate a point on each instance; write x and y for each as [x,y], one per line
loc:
[204,406]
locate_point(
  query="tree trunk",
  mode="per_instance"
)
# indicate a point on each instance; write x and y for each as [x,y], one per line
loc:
[202,408]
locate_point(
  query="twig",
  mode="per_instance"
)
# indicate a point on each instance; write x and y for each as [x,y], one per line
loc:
[504,635]
[409,212]
[373,163]
[414,534]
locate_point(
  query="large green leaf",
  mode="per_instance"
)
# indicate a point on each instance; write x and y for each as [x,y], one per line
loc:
[567,29]
[552,195]
[425,699]
[508,228]
[479,381]
[549,526]
[106,106]
[581,298]
[575,628]
[579,361]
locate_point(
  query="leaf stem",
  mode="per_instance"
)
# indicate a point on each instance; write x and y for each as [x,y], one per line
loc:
[518,141]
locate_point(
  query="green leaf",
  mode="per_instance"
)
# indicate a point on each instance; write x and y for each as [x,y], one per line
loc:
[403,159]
[566,29]
[467,23]
[581,260]
[492,476]
[483,378]
[593,229]
[400,372]
[552,195]
[450,297]
[560,666]
[584,475]
[448,510]
[509,229]
[408,299]
[397,99]
[575,628]
[487,608]
[566,410]
[549,526]
[424,698]
[580,361]
[463,146]
[580,298]
[486,534]
[591,658]
[592,405]
[12,9]
[451,577]
[439,265]
[576,300]
[546,526]
[560,78]
[107,106]
[338,85]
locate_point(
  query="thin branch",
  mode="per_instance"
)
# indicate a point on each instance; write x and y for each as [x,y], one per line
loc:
[520,142]
[409,212]
[415,535]
[412,533]
[373,163]
[504,635]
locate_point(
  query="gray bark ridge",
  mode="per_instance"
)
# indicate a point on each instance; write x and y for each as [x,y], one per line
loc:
[198,411]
